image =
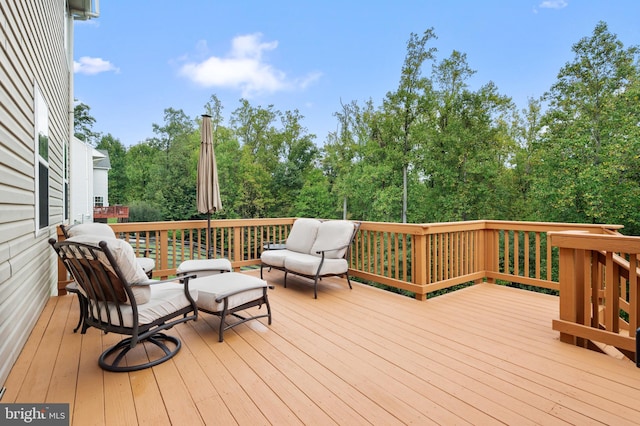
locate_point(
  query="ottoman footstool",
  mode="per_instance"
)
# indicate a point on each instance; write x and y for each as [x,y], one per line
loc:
[226,294]
[203,267]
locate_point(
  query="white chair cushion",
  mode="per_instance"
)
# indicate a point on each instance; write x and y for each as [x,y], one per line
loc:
[126,261]
[303,234]
[165,299]
[276,257]
[103,230]
[213,287]
[308,265]
[204,267]
[146,263]
[332,234]
[91,228]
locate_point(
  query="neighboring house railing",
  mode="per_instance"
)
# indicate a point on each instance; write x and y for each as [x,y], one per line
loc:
[120,212]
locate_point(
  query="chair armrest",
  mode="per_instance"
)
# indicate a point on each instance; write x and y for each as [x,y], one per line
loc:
[183,279]
[333,248]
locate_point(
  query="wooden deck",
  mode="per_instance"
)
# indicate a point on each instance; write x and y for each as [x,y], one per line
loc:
[482,355]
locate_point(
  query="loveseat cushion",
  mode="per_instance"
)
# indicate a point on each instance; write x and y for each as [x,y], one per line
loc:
[333,234]
[276,258]
[308,265]
[303,234]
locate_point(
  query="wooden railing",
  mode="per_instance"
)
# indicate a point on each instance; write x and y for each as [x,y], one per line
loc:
[419,258]
[599,290]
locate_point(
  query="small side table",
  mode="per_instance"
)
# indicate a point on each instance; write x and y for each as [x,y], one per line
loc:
[274,246]
[72,287]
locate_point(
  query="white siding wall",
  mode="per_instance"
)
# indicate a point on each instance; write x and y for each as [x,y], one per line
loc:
[101,185]
[81,182]
[32,51]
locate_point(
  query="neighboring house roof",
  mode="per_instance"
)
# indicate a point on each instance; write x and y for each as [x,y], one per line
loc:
[101,161]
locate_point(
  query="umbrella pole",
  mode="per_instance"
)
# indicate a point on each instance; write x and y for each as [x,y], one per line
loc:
[210,248]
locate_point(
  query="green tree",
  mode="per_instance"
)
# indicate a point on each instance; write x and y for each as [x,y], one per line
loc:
[407,110]
[587,155]
[465,155]
[139,171]
[255,129]
[174,185]
[340,152]
[117,175]
[315,198]
[83,123]
[297,158]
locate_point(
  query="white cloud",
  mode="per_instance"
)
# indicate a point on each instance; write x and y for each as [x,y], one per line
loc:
[244,68]
[554,4]
[91,66]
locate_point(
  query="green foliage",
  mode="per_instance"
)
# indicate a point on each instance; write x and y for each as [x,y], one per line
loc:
[434,150]
[83,124]
[140,211]
[118,181]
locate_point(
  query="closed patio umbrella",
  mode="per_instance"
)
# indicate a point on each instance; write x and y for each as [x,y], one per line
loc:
[207,189]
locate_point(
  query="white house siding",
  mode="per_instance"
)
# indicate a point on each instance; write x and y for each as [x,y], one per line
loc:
[81,181]
[32,52]
[101,169]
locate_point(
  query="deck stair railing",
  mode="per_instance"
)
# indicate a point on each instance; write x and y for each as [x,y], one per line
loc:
[599,290]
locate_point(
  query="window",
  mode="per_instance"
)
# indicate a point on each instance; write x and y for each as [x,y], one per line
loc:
[41,160]
[98,201]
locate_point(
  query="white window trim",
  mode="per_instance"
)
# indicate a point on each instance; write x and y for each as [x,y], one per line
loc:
[39,103]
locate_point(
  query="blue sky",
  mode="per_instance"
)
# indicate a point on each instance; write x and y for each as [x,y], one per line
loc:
[141,57]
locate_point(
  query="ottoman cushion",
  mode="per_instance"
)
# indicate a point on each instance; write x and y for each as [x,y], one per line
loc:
[204,267]
[238,287]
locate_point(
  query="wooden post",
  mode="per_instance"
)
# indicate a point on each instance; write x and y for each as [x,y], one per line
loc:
[567,291]
[420,262]
[237,244]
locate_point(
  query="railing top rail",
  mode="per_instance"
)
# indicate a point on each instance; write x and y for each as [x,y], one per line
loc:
[403,228]
[588,241]
[472,225]
[199,223]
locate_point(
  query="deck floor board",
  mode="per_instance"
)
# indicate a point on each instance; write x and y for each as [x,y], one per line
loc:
[482,355]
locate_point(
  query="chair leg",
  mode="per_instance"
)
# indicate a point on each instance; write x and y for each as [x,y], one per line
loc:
[261,266]
[111,358]
[266,302]
[285,279]
[315,288]
[81,319]
[223,316]
[348,281]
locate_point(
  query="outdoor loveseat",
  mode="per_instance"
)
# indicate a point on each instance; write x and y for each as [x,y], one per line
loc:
[314,249]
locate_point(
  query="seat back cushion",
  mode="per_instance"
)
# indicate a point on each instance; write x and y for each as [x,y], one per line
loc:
[91,228]
[303,234]
[333,234]
[126,260]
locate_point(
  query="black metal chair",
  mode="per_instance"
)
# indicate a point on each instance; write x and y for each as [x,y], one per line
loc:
[121,299]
